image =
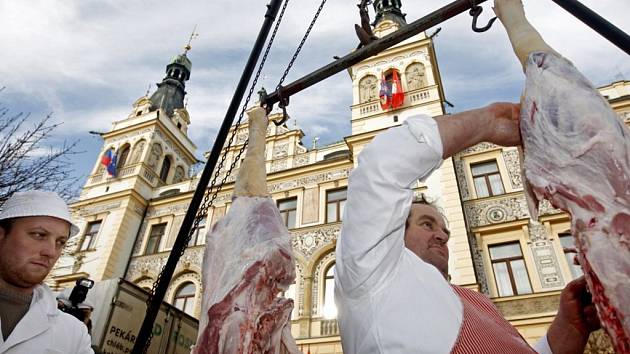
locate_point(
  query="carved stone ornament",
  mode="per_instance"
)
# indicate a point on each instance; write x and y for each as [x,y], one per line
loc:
[512,162]
[308,242]
[461,179]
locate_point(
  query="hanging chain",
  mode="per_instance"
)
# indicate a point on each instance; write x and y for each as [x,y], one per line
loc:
[283,102]
[299,48]
[211,195]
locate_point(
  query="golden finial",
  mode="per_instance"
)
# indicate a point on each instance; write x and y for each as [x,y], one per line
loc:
[193,35]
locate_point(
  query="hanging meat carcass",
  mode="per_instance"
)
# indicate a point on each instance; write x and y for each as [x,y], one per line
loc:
[577,156]
[248,262]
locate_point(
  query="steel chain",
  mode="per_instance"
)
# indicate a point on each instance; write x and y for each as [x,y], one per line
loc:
[209,195]
[299,48]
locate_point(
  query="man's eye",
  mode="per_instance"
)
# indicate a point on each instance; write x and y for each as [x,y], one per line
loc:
[427,224]
[61,243]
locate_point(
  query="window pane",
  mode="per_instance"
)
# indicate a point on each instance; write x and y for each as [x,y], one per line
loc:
[484,168]
[331,212]
[481,187]
[520,277]
[342,207]
[186,290]
[330,310]
[291,219]
[189,306]
[567,240]
[151,245]
[339,194]
[503,279]
[87,240]
[179,303]
[287,204]
[496,184]
[505,251]
[94,227]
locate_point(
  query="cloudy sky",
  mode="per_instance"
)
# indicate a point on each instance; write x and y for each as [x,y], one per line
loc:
[87,61]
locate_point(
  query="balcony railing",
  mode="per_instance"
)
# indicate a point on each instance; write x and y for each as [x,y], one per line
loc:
[329,328]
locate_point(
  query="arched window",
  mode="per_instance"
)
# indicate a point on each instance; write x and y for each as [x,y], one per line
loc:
[185,298]
[122,157]
[329,308]
[368,89]
[166,167]
[416,76]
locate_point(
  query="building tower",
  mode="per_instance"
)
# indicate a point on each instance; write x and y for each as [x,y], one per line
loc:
[414,65]
[142,157]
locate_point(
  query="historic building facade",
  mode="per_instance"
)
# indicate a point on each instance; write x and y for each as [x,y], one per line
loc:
[130,220]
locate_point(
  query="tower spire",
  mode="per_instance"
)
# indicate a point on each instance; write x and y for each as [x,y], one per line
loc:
[389,10]
[171,91]
[193,35]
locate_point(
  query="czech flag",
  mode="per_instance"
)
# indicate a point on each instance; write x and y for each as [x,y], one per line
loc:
[109,160]
[398,96]
[385,94]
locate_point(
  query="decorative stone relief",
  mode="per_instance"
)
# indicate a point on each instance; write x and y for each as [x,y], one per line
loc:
[316,278]
[299,281]
[480,271]
[368,89]
[169,143]
[155,262]
[529,306]
[301,160]
[310,180]
[85,211]
[545,208]
[461,180]
[278,165]
[308,242]
[544,257]
[416,77]
[513,165]
[171,209]
[481,213]
[138,149]
[480,148]
[280,151]
[130,135]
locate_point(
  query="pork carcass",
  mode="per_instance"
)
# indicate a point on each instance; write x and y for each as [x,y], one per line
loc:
[577,156]
[247,263]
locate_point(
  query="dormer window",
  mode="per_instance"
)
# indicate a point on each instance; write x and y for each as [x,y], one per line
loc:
[138,113]
[179,125]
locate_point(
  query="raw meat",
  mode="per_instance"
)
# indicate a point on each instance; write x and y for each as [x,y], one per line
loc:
[248,262]
[577,156]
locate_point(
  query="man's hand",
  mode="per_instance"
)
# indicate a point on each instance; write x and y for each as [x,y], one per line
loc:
[503,124]
[497,123]
[575,320]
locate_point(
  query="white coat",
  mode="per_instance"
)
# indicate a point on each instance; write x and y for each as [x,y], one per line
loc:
[389,300]
[46,330]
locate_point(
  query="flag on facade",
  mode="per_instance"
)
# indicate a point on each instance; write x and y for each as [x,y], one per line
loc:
[398,95]
[109,161]
[385,94]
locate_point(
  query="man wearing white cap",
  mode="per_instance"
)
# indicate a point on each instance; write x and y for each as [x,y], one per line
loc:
[34,227]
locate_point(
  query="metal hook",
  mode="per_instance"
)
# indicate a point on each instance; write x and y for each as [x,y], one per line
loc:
[262,96]
[475,11]
[283,102]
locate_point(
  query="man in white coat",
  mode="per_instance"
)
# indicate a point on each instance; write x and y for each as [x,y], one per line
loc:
[34,227]
[391,268]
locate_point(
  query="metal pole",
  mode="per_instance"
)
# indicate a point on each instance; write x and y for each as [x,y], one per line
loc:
[597,23]
[436,17]
[142,341]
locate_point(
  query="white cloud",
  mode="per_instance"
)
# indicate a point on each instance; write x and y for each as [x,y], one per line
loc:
[88,60]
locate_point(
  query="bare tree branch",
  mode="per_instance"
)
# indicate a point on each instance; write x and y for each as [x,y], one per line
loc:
[28,162]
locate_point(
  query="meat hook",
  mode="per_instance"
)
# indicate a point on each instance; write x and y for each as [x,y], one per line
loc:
[283,102]
[475,11]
